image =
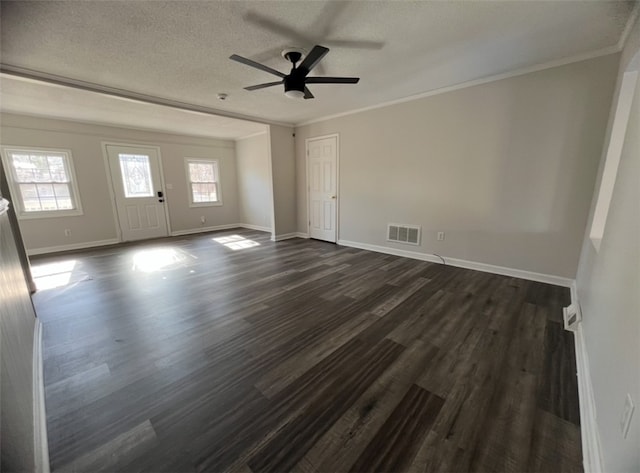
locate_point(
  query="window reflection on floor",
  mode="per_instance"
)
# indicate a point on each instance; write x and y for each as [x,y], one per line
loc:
[51,275]
[158,259]
[68,272]
[236,242]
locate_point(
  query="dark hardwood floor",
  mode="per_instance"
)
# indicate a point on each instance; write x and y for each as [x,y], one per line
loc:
[228,352]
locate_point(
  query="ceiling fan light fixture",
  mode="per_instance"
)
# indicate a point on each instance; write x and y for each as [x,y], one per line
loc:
[294,85]
[294,94]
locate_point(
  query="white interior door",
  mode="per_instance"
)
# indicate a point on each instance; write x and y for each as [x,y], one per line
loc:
[323,171]
[137,185]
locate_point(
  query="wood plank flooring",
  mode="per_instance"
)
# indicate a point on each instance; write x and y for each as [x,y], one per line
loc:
[228,352]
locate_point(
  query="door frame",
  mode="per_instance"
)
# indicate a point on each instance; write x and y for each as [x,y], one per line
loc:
[112,193]
[308,190]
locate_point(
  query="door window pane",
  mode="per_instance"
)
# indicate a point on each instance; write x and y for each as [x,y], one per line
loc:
[136,175]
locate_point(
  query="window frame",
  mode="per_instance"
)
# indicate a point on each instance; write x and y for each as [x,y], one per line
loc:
[216,164]
[14,183]
[613,153]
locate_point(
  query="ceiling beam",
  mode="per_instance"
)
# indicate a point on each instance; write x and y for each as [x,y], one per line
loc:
[38,76]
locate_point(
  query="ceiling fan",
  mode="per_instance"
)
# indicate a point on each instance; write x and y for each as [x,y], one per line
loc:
[295,83]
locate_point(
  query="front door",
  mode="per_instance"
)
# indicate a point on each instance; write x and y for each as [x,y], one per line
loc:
[139,196]
[322,164]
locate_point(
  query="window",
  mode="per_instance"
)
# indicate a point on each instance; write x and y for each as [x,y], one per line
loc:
[42,182]
[204,185]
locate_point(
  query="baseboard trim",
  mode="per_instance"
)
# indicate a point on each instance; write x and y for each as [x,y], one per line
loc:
[40,439]
[72,246]
[284,236]
[591,449]
[250,226]
[484,267]
[302,235]
[193,231]
[115,241]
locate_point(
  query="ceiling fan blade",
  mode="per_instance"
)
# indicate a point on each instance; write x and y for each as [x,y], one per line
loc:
[325,21]
[307,93]
[276,27]
[355,44]
[262,86]
[313,58]
[332,80]
[257,65]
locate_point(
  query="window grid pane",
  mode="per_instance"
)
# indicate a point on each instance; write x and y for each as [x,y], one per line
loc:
[23,167]
[43,180]
[63,196]
[39,167]
[203,178]
[47,197]
[202,172]
[57,169]
[30,199]
[204,192]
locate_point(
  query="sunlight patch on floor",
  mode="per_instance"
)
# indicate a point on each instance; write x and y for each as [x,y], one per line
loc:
[236,242]
[158,259]
[51,275]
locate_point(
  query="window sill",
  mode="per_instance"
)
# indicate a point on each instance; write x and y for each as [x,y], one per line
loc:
[49,214]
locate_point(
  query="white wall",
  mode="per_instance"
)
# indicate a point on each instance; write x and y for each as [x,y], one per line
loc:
[84,141]
[608,284]
[283,174]
[255,202]
[506,168]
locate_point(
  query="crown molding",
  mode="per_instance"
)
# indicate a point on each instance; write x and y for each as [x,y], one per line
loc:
[627,28]
[252,135]
[472,83]
[52,79]
[226,143]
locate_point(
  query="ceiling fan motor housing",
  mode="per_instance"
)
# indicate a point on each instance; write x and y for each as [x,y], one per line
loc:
[292,55]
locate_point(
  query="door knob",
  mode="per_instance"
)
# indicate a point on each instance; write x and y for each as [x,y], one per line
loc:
[333,196]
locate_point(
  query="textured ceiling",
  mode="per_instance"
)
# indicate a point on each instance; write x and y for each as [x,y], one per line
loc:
[179,50]
[41,99]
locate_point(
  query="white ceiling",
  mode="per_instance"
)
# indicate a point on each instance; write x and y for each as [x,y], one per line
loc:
[179,51]
[41,99]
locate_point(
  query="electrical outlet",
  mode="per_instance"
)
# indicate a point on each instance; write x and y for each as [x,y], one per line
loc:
[202,219]
[571,316]
[67,232]
[440,236]
[627,413]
